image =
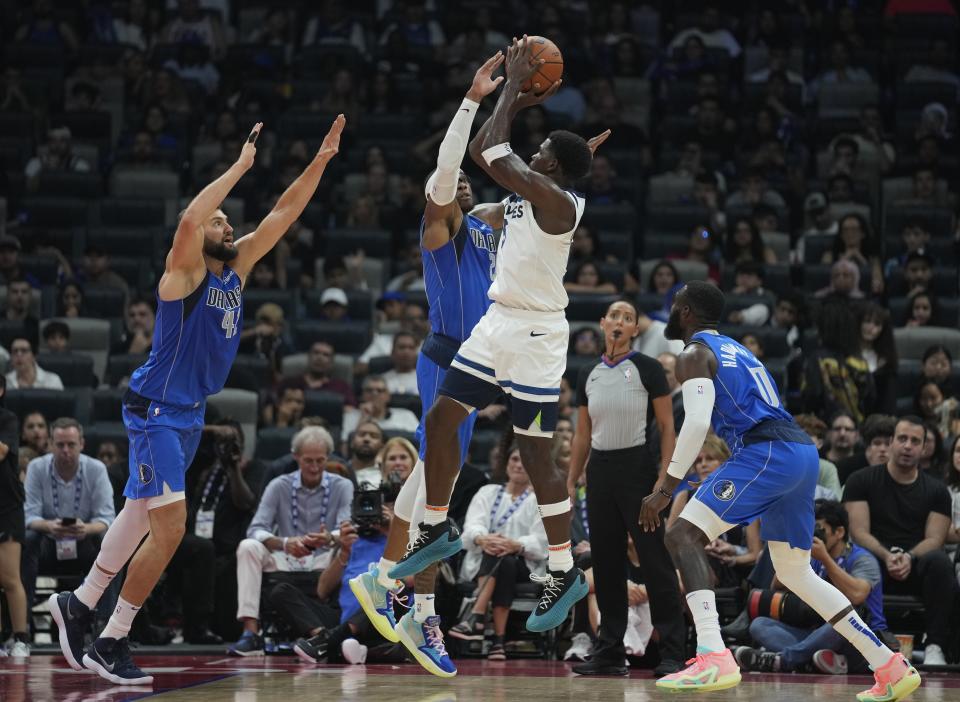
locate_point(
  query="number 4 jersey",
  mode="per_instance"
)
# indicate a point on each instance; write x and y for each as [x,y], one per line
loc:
[746,394]
[195,342]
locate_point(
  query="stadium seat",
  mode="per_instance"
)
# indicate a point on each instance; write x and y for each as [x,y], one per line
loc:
[943,284]
[668,189]
[346,337]
[273,442]
[81,185]
[253,298]
[43,267]
[913,341]
[141,184]
[108,404]
[257,373]
[99,432]
[407,401]
[846,99]
[343,242]
[660,245]
[125,241]
[52,403]
[58,212]
[589,306]
[88,336]
[241,405]
[120,366]
[103,302]
[74,369]
[328,405]
[379,365]
[948,317]
[129,212]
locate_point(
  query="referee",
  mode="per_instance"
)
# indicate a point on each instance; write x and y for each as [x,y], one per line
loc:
[614,398]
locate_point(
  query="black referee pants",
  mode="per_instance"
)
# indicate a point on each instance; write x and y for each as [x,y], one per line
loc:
[617,482]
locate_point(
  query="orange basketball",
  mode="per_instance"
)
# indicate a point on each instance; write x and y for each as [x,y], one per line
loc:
[550,70]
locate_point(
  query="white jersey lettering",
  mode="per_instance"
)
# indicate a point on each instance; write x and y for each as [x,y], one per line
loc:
[531,263]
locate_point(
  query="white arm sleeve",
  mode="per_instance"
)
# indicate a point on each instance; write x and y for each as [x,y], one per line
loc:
[442,185]
[698,398]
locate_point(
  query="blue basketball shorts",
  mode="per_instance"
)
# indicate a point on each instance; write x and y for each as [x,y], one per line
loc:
[430,377]
[163,440]
[772,480]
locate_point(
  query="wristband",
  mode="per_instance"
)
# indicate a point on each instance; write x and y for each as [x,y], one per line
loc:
[285,539]
[664,493]
[494,152]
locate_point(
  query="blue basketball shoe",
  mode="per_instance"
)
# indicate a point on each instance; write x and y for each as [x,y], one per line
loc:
[425,643]
[434,543]
[110,659]
[376,602]
[560,592]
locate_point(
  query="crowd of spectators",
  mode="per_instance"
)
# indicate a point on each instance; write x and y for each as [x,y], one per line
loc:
[800,154]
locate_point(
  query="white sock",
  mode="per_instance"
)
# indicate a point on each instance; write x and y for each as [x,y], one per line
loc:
[560,557]
[434,514]
[422,607]
[854,630]
[703,607]
[119,625]
[93,586]
[383,567]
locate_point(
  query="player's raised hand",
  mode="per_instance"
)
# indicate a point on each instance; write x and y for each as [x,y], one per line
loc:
[331,142]
[520,63]
[249,150]
[530,98]
[483,82]
[594,142]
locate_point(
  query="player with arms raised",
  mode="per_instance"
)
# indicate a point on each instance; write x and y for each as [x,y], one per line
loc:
[520,344]
[771,475]
[199,318]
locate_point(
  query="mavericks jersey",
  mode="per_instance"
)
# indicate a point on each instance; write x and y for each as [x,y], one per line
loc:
[746,394]
[195,342]
[531,263]
[457,277]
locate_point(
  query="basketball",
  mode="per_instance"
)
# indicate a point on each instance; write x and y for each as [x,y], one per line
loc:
[550,71]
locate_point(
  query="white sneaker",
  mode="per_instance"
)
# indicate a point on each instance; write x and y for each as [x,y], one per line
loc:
[933,655]
[579,648]
[354,651]
[22,650]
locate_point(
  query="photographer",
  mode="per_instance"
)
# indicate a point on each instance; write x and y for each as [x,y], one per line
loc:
[362,541]
[292,529]
[221,505]
[792,633]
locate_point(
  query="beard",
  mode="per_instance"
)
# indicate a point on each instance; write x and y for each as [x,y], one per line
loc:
[219,251]
[673,330]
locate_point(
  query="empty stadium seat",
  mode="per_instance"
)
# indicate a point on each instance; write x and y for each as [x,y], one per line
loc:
[74,369]
[120,366]
[273,442]
[108,404]
[51,403]
[59,212]
[328,405]
[343,242]
[144,184]
[253,298]
[589,306]
[130,212]
[913,341]
[81,185]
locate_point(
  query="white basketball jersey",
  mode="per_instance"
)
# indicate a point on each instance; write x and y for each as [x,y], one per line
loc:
[531,263]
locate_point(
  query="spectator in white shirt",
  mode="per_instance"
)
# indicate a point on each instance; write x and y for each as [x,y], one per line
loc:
[505,543]
[375,405]
[26,373]
[402,379]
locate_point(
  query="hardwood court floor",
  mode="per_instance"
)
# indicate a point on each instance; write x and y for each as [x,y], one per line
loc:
[284,679]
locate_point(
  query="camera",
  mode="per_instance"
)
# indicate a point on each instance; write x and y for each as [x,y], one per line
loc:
[367,511]
[820,534]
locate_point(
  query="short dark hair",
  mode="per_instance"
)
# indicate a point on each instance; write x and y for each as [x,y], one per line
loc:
[934,350]
[143,300]
[878,425]
[917,256]
[846,141]
[706,300]
[571,152]
[400,335]
[834,514]
[915,420]
[233,424]
[56,328]
[842,413]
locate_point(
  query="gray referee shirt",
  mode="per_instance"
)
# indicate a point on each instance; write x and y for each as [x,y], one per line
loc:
[618,398]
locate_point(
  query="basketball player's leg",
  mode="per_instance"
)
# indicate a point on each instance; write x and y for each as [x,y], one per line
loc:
[160,485]
[534,365]
[787,527]
[469,384]
[721,502]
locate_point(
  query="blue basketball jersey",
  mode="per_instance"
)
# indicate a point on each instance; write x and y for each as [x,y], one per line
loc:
[457,277]
[746,394]
[195,342]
